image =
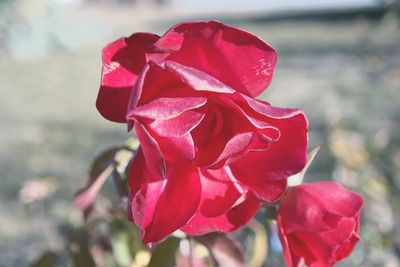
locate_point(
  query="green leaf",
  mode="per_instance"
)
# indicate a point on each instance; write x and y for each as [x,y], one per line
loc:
[101,162]
[79,248]
[125,241]
[47,259]
[122,159]
[120,248]
[225,250]
[126,153]
[121,184]
[298,178]
[164,253]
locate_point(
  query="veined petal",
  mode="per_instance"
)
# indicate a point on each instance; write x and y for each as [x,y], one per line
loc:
[151,150]
[160,94]
[162,207]
[233,219]
[224,205]
[198,80]
[177,126]
[286,156]
[177,150]
[219,192]
[233,56]
[272,112]
[239,145]
[242,133]
[123,60]
[166,108]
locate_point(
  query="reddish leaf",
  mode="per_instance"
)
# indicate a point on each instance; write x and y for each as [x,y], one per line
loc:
[101,168]
[85,198]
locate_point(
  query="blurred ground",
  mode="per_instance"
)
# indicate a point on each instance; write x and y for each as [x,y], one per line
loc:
[345,73]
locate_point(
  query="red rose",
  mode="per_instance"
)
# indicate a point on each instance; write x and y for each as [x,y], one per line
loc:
[235,57]
[318,223]
[209,151]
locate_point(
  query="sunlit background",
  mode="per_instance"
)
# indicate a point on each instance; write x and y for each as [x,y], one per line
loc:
[337,60]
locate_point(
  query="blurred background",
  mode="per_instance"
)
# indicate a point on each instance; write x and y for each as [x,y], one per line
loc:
[339,60]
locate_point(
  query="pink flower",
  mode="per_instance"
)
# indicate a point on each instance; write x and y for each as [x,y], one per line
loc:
[209,151]
[318,223]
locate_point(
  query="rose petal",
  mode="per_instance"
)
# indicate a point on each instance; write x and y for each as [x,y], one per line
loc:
[233,219]
[211,126]
[233,102]
[136,173]
[263,108]
[160,94]
[138,178]
[196,79]
[122,62]
[335,198]
[178,126]
[323,246]
[144,203]
[291,259]
[295,250]
[154,159]
[285,157]
[319,206]
[233,134]
[159,209]
[177,150]
[167,108]
[233,56]
[219,192]
[267,190]
[340,242]
[239,145]
[223,205]
[347,247]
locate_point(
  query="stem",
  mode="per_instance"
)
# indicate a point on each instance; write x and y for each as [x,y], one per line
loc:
[260,252]
[190,253]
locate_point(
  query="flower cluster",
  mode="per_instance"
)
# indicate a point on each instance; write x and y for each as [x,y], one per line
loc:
[210,152]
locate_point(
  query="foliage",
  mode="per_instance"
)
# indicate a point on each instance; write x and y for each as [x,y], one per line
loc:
[108,238]
[356,77]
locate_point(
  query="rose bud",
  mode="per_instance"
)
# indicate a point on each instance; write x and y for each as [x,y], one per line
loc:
[318,223]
